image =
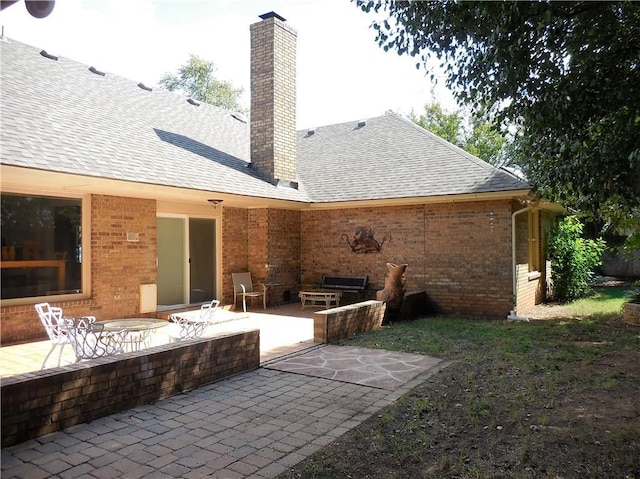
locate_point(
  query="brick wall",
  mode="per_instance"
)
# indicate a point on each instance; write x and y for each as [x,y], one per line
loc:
[284,253]
[531,285]
[469,257]
[273,99]
[459,253]
[265,242]
[343,322]
[118,268]
[258,250]
[57,398]
[235,247]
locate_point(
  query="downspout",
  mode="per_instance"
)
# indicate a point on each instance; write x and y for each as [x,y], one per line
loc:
[513,314]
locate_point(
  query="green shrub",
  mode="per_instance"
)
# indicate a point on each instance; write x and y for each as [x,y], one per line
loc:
[573,259]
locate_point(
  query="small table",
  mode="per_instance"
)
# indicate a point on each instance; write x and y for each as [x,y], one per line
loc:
[315,297]
[139,329]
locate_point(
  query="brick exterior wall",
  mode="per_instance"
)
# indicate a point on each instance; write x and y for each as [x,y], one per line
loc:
[531,286]
[118,268]
[343,322]
[54,399]
[235,247]
[284,253]
[269,249]
[273,99]
[457,252]
[259,244]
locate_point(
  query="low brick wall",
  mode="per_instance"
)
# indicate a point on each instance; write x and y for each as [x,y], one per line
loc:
[631,313]
[331,325]
[50,400]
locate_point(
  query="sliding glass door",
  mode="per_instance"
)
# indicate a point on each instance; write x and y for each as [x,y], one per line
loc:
[186,261]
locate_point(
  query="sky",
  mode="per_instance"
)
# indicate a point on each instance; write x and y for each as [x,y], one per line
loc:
[342,74]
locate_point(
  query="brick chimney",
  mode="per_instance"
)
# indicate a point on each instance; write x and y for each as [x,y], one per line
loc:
[273,99]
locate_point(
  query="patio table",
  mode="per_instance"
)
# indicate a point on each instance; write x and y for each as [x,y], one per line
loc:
[139,329]
[326,298]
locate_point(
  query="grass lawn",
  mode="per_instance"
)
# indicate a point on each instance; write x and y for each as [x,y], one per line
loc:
[555,398]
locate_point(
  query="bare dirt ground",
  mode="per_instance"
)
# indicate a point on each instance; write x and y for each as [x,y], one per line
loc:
[556,397]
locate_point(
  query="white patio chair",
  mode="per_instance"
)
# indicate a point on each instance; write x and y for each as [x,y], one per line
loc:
[53,322]
[207,310]
[89,340]
[186,326]
[244,287]
[191,324]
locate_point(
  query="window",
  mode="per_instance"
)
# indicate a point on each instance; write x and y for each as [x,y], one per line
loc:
[41,246]
[534,241]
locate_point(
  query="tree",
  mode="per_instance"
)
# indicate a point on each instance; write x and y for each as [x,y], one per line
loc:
[197,79]
[566,74]
[474,133]
[447,126]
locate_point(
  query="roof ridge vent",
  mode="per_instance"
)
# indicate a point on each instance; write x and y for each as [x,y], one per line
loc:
[144,87]
[362,123]
[48,55]
[191,101]
[96,71]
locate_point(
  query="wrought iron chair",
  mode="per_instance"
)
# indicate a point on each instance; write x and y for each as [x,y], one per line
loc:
[207,310]
[89,340]
[185,326]
[191,324]
[244,287]
[53,322]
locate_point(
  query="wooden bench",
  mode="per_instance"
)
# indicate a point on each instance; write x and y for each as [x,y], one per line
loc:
[355,284]
[332,289]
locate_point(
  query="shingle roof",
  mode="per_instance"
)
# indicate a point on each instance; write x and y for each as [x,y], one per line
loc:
[390,157]
[59,116]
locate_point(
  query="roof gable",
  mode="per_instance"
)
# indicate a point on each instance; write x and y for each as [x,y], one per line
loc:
[391,157]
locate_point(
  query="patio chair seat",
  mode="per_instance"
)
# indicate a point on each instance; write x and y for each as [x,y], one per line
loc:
[89,340]
[245,288]
[186,327]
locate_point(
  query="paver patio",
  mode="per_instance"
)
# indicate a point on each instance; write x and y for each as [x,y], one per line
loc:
[256,424]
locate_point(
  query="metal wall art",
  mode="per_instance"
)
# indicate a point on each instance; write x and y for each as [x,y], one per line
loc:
[363,241]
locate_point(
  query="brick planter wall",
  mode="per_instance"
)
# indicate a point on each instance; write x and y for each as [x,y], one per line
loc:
[331,325]
[631,313]
[40,403]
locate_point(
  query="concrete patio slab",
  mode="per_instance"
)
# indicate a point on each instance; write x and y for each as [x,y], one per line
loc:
[283,330]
